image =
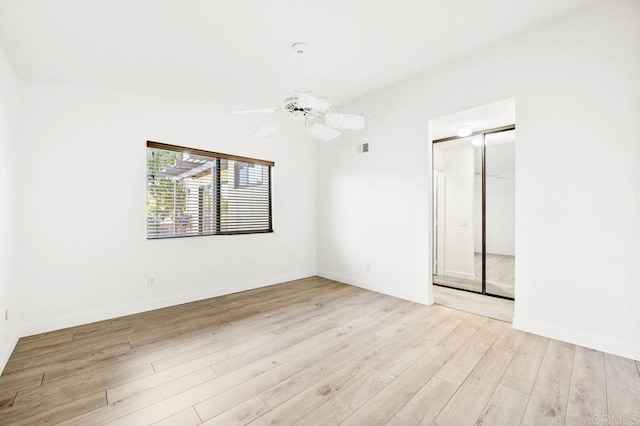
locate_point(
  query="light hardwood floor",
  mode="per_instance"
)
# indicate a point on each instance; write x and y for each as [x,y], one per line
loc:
[310,352]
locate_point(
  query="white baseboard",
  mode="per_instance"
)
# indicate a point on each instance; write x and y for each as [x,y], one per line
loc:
[37,327]
[461,275]
[579,338]
[391,291]
[8,350]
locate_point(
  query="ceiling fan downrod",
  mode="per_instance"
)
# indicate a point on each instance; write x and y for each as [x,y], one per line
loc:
[299,48]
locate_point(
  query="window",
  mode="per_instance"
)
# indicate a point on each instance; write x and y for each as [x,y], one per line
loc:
[247,174]
[191,192]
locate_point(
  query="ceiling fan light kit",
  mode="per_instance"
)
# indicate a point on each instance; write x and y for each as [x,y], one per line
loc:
[322,120]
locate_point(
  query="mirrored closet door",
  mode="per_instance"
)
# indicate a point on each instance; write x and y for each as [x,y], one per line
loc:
[474,212]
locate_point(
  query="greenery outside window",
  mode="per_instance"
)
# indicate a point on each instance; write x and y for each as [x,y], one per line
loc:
[191,192]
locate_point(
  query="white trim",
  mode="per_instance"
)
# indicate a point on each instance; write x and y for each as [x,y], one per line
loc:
[461,275]
[8,350]
[37,327]
[622,349]
[424,299]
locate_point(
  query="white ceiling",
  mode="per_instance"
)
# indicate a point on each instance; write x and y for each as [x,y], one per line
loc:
[236,52]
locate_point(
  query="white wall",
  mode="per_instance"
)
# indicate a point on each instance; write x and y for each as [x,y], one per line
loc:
[501,217]
[8,293]
[500,201]
[500,214]
[457,221]
[501,198]
[577,93]
[83,249]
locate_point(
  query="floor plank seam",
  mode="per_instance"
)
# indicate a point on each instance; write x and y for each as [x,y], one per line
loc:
[193,407]
[515,351]
[468,374]
[566,404]
[535,382]
[606,385]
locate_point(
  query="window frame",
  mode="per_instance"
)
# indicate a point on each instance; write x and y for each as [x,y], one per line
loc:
[217,157]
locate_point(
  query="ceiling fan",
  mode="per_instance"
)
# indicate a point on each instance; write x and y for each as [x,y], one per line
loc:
[322,119]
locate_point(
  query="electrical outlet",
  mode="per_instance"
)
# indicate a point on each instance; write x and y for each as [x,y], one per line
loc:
[151,282]
[367,267]
[6,315]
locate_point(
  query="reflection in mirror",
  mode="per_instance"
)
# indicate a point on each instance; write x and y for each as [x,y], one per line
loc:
[456,262]
[500,213]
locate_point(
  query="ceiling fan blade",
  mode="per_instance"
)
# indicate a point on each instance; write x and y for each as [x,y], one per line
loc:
[347,121]
[255,111]
[267,130]
[323,132]
[321,105]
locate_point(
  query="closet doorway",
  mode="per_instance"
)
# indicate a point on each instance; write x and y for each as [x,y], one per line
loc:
[474,212]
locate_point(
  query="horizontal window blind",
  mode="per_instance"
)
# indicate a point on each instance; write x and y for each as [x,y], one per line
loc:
[192,192]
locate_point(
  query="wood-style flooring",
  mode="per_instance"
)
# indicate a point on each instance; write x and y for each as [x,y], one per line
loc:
[311,352]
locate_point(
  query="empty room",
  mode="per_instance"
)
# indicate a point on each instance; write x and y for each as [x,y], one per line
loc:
[317,213]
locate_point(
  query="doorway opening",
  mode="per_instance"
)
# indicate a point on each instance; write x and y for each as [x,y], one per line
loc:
[474,202]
